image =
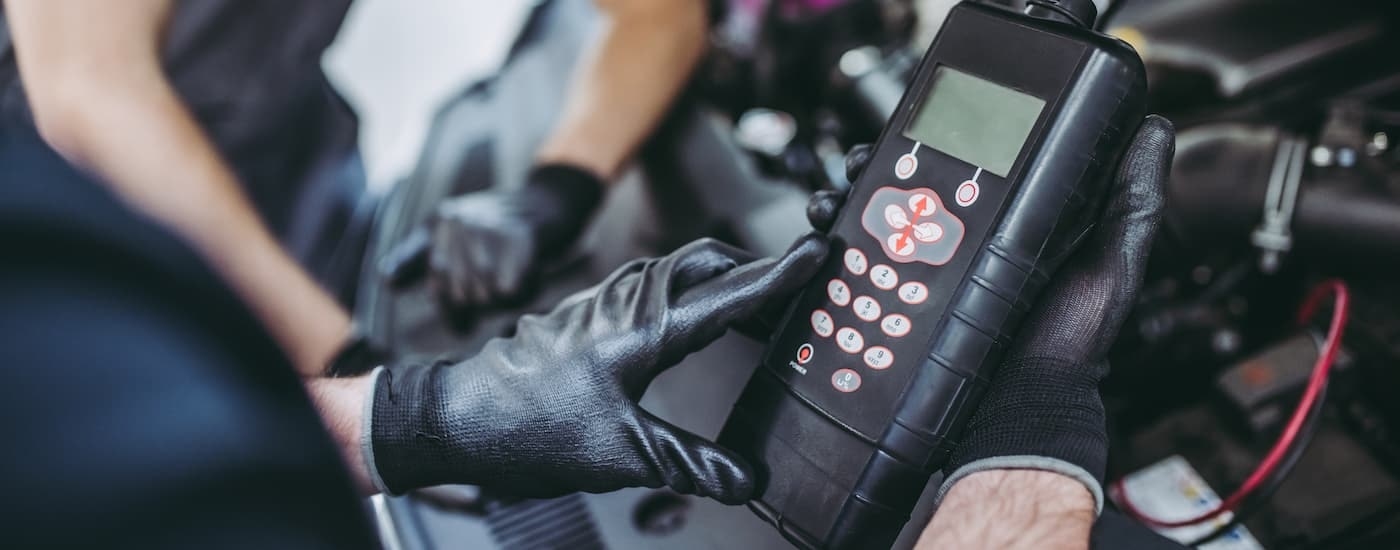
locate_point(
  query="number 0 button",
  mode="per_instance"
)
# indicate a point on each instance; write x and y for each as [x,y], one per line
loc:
[896,326]
[884,277]
[849,340]
[879,358]
[845,380]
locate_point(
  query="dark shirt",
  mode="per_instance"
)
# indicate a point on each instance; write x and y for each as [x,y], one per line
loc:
[250,71]
[143,406]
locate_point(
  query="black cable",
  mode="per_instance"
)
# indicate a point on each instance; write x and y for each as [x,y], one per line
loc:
[1266,491]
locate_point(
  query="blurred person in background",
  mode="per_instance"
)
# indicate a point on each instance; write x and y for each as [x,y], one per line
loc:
[214,118]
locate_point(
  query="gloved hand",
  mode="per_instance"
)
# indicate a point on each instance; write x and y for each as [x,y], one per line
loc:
[1043,410]
[554,409]
[487,248]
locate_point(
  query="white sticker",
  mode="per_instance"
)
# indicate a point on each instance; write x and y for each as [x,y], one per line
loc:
[1170,490]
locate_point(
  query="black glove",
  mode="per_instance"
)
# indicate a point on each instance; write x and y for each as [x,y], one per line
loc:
[487,248]
[554,409]
[1043,410]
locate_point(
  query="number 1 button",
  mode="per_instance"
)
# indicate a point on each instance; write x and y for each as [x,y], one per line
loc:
[855,262]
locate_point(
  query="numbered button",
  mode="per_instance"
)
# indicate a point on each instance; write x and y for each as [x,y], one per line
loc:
[855,261]
[867,308]
[884,277]
[849,340]
[896,326]
[879,358]
[839,293]
[913,293]
[822,324]
[845,380]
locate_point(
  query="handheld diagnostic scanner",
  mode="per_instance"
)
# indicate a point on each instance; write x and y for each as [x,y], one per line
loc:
[994,165]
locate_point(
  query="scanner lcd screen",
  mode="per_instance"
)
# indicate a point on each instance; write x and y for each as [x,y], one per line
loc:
[974,120]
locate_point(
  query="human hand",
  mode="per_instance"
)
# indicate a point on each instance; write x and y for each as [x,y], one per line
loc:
[554,409]
[488,248]
[1043,410]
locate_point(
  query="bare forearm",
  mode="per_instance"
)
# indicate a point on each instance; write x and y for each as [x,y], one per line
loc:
[100,96]
[341,403]
[1012,509]
[154,155]
[627,82]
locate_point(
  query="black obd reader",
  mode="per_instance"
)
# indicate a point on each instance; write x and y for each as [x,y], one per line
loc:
[993,167]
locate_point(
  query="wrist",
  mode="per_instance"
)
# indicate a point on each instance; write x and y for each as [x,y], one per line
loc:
[562,198]
[1012,509]
[1040,414]
[410,437]
[342,407]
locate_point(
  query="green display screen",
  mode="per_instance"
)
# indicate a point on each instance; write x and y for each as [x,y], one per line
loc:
[979,122]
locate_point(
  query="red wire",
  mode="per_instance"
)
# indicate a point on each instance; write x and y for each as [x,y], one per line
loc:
[1342,301]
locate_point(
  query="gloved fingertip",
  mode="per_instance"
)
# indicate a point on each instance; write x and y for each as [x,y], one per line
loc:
[806,254]
[706,259]
[857,159]
[823,208]
[1152,150]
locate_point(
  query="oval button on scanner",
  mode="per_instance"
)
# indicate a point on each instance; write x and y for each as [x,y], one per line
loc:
[879,358]
[839,293]
[896,217]
[821,323]
[856,262]
[922,205]
[804,354]
[968,193]
[913,293]
[896,326]
[928,232]
[866,308]
[845,380]
[883,277]
[906,166]
[849,340]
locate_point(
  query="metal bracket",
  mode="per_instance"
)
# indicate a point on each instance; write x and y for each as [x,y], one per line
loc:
[1273,237]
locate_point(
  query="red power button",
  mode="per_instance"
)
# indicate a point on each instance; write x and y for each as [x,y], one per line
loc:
[804,354]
